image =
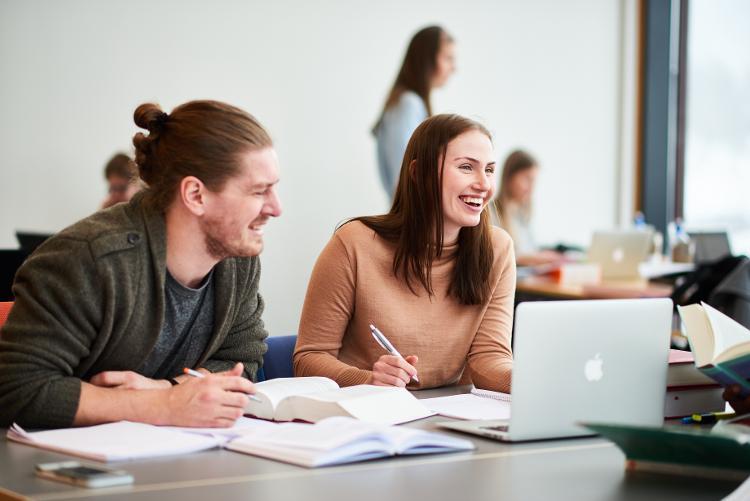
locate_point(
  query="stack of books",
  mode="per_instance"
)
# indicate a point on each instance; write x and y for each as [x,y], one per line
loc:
[722,356]
[689,391]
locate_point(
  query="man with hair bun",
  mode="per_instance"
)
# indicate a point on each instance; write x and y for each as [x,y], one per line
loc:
[109,311]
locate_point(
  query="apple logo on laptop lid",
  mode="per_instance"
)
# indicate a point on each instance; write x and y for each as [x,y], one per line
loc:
[618,255]
[593,370]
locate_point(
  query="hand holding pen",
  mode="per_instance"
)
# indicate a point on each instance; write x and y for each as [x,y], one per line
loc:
[208,400]
[392,369]
[191,372]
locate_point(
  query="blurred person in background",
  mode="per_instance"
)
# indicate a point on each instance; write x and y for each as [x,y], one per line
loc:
[123,182]
[428,64]
[511,209]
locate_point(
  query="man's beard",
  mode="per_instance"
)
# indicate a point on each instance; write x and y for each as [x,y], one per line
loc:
[219,248]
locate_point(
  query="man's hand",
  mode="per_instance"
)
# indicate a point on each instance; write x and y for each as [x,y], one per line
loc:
[741,405]
[128,380]
[215,401]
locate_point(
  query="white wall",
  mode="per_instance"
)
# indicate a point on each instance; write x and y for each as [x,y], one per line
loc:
[541,74]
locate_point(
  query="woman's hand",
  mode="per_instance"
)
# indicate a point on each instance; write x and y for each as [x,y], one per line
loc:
[390,370]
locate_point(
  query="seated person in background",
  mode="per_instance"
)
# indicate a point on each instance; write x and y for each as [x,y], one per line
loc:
[432,274]
[511,209]
[121,174]
[110,310]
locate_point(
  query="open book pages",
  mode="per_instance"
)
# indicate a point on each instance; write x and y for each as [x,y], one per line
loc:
[272,392]
[340,440]
[313,398]
[713,336]
[470,406]
[120,441]
[721,345]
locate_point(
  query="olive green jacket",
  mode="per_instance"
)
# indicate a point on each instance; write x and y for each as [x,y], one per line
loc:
[91,299]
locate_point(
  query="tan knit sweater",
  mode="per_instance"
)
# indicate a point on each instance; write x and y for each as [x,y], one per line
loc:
[352,285]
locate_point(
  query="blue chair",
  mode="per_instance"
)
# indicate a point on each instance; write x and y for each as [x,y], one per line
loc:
[277,362]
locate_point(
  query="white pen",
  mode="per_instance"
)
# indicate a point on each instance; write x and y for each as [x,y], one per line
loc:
[387,346]
[194,373]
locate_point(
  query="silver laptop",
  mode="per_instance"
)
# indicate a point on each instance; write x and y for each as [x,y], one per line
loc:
[620,252]
[603,361]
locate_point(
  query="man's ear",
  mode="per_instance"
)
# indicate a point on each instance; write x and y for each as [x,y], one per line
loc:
[193,195]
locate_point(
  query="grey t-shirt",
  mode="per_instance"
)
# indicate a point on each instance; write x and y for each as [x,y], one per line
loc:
[187,328]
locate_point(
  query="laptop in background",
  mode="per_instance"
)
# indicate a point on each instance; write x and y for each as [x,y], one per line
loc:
[710,245]
[620,252]
[603,361]
[30,241]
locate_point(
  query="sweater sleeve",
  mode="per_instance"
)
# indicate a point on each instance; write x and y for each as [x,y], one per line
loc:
[490,359]
[328,307]
[245,340]
[50,329]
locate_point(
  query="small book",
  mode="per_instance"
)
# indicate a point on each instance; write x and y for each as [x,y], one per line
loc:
[720,345]
[723,452]
[339,440]
[119,441]
[314,398]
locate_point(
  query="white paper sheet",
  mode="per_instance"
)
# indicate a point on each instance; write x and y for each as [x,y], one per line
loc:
[468,406]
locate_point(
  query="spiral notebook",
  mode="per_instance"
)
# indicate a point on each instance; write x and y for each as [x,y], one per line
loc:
[479,404]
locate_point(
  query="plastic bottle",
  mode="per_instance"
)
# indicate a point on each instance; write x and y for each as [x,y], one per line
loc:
[639,221]
[682,249]
[657,242]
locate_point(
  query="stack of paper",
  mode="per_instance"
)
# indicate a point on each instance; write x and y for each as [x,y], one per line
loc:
[116,441]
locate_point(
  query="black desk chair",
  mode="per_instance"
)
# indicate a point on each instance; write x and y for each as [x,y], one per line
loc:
[10,261]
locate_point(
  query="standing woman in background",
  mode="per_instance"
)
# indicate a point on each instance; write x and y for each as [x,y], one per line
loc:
[512,209]
[428,63]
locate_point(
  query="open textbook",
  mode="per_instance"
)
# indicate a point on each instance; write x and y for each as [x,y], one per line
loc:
[721,346]
[314,398]
[334,440]
[340,440]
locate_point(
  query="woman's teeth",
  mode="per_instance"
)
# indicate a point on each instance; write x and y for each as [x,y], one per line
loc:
[473,201]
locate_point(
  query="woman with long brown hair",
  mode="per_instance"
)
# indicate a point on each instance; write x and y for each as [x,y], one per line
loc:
[511,209]
[432,274]
[428,64]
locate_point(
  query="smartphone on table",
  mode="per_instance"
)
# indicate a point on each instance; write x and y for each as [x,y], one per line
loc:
[83,475]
